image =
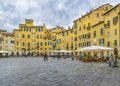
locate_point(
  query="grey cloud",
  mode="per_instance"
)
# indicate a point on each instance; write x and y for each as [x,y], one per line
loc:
[49,12]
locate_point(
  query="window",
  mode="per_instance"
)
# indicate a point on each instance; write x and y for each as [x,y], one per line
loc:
[94,34]
[108,34]
[45,43]
[108,22]
[28,36]
[28,44]
[75,39]
[40,43]
[29,30]
[58,41]
[23,44]
[101,41]
[88,35]
[34,33]
[23,36]
[83,36]
[23,29]
[75,24]
[101,31]
[38,29]
[87,43]
[11,41]
[37,46]
[49,43]
[115,42]
[40,36]
[84,27]
[88,28]
[108,44]
[71,31]
[106,8]
[115,20]
[97,15]
[115,31]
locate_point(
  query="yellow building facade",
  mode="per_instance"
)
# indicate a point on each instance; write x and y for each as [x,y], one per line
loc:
[7,42]
[112,28]
[100,26]
[30,39]
[87,27]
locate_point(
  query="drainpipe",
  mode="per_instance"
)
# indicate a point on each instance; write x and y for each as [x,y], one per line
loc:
[119,24]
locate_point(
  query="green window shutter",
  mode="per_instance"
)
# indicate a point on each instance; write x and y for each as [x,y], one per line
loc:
[94,33]
[99,41]
[115,42]
[101,31]
[102,41]
[108,44]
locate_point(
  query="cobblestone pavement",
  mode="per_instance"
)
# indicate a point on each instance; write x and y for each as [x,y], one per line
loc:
[64,72]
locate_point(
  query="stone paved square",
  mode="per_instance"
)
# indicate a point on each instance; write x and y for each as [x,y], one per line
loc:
[33,71]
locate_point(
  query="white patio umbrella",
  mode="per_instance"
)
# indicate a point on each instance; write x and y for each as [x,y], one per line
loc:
[56,51]
[95,48]
[99,48]
[62,51]
[82,49]
[3,51]
[65,51]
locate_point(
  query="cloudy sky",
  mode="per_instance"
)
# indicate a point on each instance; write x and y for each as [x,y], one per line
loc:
[49,12]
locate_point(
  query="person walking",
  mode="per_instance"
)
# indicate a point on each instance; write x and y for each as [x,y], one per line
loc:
[72,55]
[81,57]
[110,60]
[115,62]
[45,56]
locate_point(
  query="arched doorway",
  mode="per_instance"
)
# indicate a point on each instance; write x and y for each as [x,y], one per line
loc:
[29,52]
[17,53]
[23,51]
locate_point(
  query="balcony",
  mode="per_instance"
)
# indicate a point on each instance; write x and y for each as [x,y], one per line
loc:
[88,35]
[107,25]
[114,22]
[88,28]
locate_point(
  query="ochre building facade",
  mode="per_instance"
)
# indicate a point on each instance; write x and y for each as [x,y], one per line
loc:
[100,26]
